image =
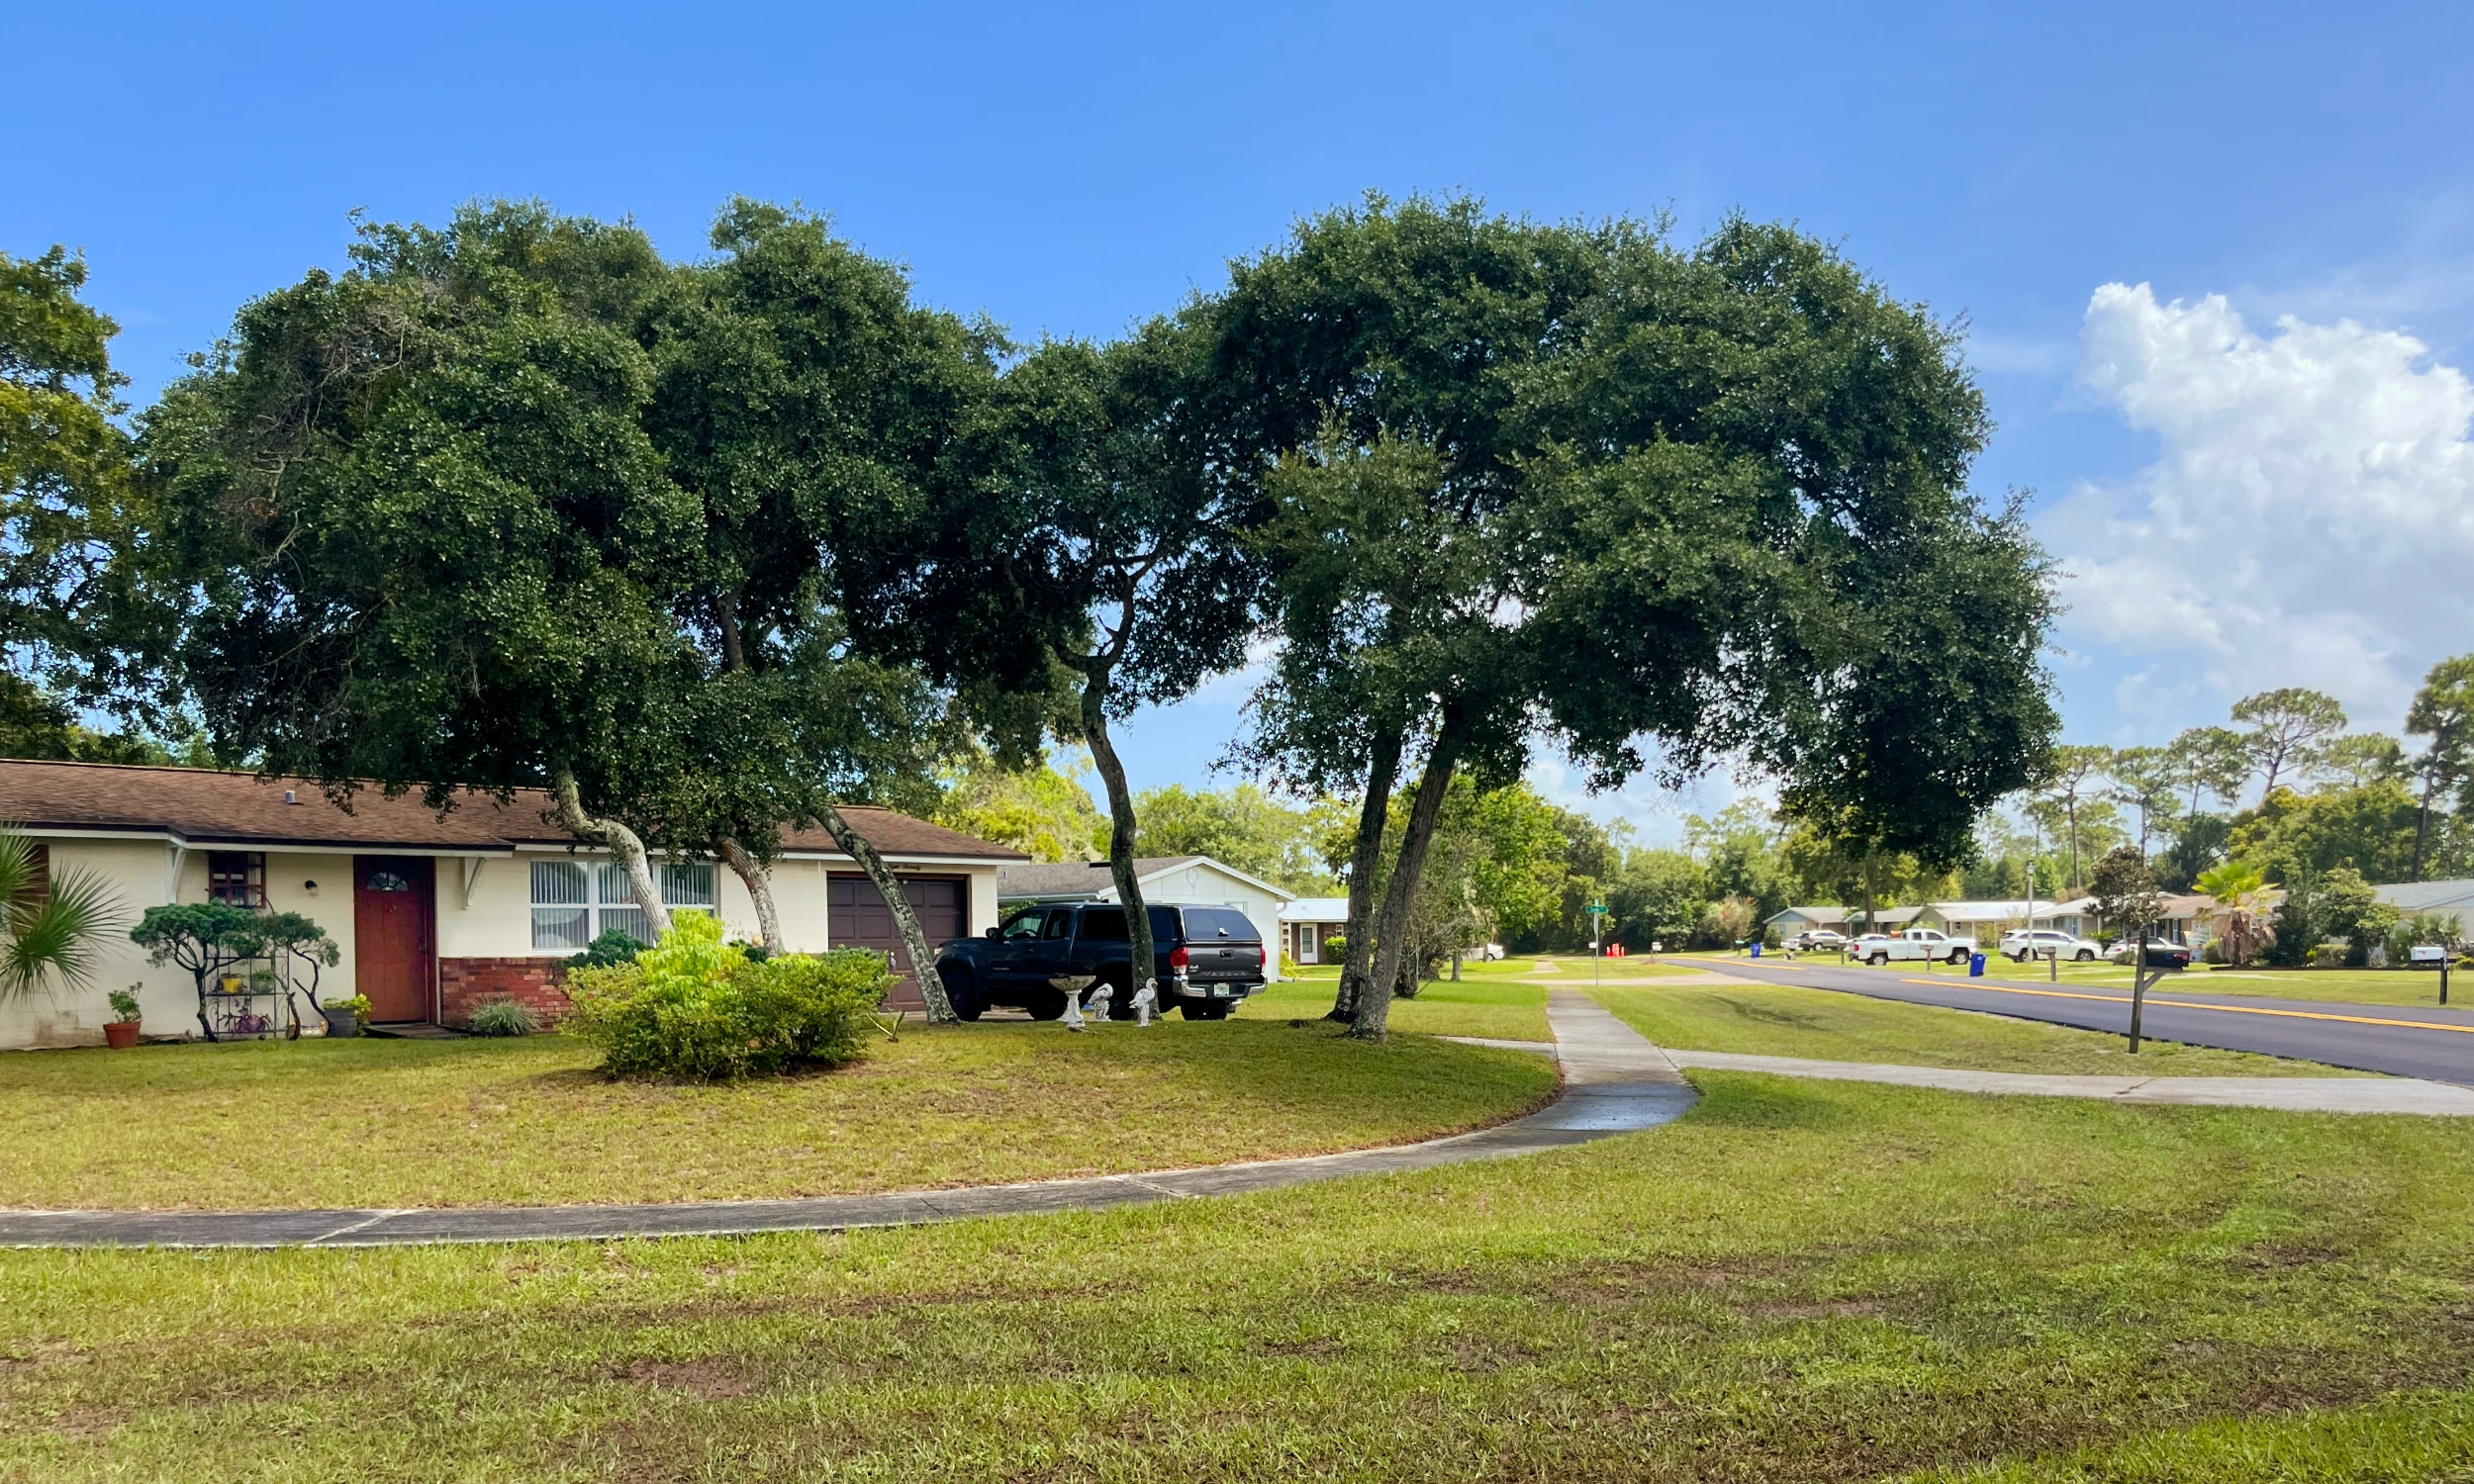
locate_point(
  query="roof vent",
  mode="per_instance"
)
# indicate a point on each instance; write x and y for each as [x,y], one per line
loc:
[291,796]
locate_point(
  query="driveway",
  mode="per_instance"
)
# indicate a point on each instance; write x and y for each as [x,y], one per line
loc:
[2430,1043]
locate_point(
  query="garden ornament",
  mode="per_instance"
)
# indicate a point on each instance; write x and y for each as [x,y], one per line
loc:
[1144,998]
[1100,999]
[1072,986]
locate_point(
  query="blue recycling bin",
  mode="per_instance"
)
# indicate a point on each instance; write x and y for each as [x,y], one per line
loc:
[1975,965]
[1757,949]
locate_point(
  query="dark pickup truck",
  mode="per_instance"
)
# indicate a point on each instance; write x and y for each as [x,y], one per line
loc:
[1210,959]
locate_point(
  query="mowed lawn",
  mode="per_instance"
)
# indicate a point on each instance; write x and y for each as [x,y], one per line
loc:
[2363,986]
[1799,1282]
[1784,1020]
[1504,999]
[524,1122]
[1504,1007]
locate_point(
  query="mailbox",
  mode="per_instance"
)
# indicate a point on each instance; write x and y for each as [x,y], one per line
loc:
[2424,953]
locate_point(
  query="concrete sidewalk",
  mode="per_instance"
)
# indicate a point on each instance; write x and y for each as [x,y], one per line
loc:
[1615,1083]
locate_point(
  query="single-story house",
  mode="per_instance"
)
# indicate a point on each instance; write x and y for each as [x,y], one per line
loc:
[2444,898]
[1311,922]
[1166,881]
[1896,919]
[1979,920]
[433,913]
[1796,920]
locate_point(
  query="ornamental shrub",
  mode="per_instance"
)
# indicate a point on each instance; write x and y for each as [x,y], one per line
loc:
[612,946]
[504,1017]
[696,1008]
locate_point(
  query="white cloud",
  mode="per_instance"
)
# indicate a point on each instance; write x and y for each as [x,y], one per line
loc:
[2309,519]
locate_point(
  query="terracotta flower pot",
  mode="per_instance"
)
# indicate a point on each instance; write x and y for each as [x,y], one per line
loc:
[120,1035]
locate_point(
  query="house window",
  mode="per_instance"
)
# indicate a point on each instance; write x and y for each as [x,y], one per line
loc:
[576,902]
[236,877]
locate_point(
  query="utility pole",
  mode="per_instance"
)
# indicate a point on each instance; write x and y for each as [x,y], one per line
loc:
[1598,933]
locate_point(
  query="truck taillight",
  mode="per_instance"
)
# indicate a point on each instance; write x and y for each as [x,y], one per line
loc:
[1262,958]
[1176,958]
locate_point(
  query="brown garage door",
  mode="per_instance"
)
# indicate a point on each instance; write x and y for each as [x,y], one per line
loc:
[856,916]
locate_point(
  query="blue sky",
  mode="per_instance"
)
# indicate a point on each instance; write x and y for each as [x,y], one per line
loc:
[2257,469]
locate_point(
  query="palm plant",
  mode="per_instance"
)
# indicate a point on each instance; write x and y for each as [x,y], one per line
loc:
[2238,889]
[52,923]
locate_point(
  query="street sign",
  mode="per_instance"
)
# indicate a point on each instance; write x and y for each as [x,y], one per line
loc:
[1597,909]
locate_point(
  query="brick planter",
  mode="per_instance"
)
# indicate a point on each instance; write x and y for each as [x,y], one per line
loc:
[465,983]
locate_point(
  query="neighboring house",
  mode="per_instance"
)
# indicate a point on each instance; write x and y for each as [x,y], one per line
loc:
[2189,921]
[2446,898]
[433,913]
[1796,920]
[1311,922]
[1166,881]
[1896,919]
[1987,921]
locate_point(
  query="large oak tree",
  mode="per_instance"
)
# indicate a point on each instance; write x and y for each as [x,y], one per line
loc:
[1670,509]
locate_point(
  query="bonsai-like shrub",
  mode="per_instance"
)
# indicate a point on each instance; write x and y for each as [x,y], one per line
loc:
[696,1008]
[205,937]
[124,1004]
[504,1017]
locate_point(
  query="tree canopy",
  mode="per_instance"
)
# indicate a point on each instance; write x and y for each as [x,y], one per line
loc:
[1575,481]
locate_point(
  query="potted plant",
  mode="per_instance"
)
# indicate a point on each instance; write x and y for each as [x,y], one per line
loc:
[120,1033]
[345,1017]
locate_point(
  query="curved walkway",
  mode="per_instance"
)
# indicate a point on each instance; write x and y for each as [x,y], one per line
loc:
[1614,1082]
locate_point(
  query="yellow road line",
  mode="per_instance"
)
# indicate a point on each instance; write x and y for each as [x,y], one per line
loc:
[2178,1004]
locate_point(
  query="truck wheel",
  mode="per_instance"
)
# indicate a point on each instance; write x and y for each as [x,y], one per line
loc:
[964,996]
[1879,959]
[2086,955]
[1959,955]
[1045,1005]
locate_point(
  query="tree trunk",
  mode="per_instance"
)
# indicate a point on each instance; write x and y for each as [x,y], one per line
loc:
[2422,822]
[1143,960]
[1364,860]
[1374,1005]
[2075,842]
[759,882]
[905,922]
[620,841]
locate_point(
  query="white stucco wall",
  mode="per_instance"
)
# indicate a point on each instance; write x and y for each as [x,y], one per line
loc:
[497,923]
[137,875]
[1206,884]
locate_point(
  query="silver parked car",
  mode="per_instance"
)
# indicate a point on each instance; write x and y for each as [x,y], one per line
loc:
[2019,945]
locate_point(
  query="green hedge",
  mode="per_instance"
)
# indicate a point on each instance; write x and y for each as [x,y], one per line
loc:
[695,1008]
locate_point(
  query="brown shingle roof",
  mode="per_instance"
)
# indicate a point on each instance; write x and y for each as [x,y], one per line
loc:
[202,808]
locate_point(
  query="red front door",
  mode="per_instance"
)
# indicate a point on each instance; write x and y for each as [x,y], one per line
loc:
[395,906]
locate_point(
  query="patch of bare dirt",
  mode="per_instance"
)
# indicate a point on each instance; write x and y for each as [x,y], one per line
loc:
[709,1380]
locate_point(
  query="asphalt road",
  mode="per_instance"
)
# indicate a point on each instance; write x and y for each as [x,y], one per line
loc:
[2423,1041]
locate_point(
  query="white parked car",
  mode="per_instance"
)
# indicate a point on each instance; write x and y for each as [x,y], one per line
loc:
[1489,953]
[2018,944]
[1915,945]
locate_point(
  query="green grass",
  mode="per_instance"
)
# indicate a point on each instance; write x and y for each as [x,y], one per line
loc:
[1497,1006]
[2366,986]
[1800,1281]
[481,1122]
[1783,1020]
[2361,986]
